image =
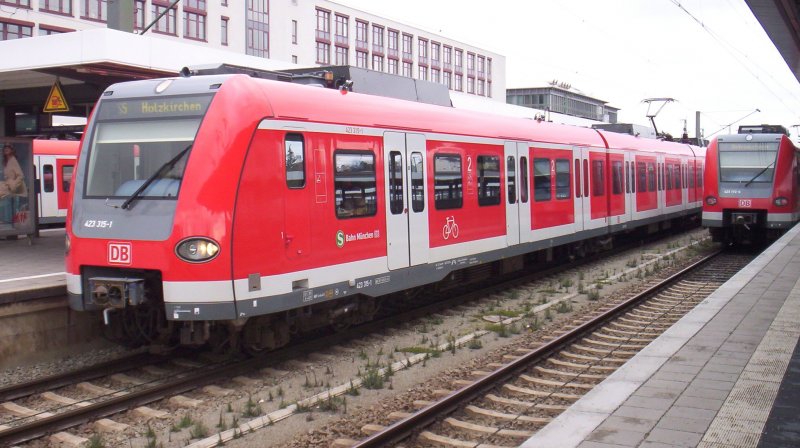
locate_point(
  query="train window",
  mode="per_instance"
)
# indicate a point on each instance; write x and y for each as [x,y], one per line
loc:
[489,180]
[562,179]
[523,179]
[66,177]
[48,182]
[447,181]
[691,175]
[747,161]
[354,184]
[417,183]
[585,178]
[627,177]
[678,177]
[511,166]
[577,178]
[395,183]
[295,161]
[651,177]
[700,176]
[668,177]
[541,180]
[632,177]
[598,178]
[616,177]
[641,176]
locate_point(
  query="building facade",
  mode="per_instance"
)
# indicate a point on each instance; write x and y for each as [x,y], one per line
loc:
[563,99]
[302,32]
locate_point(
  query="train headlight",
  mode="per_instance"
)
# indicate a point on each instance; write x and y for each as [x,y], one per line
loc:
[781,201]
[711,200]
[197,249]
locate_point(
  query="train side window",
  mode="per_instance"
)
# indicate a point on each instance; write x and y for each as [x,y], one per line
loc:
[66,177]
[668,177]
[395,183]
[691,175]
[541,180]
[678,177]
[523,179]
[562,179]
[616,177]
[632,177]
[511,174]
[417,183]
[295,161]
[489,180]
[700,169]
[627,177]
[585,178]
[354,183]
[641,171]
[447,181]
[598,178]
[48,182]
[577,178]
[651,177]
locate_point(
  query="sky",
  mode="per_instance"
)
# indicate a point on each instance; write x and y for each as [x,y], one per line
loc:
[711,56]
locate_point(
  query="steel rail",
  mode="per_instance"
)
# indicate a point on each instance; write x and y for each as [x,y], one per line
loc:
[404,428]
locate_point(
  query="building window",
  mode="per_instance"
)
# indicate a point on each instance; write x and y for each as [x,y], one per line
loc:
[18,3]
[458,86]
[423,73]
[481,86]
[447,58]
[361,36]
[435,76]
[323,53]
[139,10]
[447,79]
[489,68]
[447,181]
[471,64]
[422,51]
[488,180]
[393,66]
[342,56]
[354,184]
[194,24]
[393,44]
[407,47]
[166,24]
[47,30]
[489,89]
[14,30]
[459,62]
[257,27]
[481,67]
[323,25]
[294,59]
[96,10]
[435,54]
[294,32]
[342,26]
[470,84]
[56,6]
[407,69]
[377,62]
[361,59]
[377,39]
[223,39]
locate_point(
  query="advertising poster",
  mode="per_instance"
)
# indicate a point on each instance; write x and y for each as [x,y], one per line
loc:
[17,195]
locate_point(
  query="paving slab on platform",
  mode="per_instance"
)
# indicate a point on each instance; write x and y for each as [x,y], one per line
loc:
[712,379]
[32,270]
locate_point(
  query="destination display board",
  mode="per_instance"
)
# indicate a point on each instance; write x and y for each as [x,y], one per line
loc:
[154,107]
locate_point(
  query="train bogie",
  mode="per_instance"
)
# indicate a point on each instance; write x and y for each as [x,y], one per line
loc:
[247,210]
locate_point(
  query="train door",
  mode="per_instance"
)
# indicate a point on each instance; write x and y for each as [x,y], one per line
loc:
[64,169]
[405,165]
[48,198]
[630,185]
[518,208]
[296,153]
[594,198]
[661,195]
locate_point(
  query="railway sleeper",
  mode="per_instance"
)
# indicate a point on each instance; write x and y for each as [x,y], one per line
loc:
[483,430]
[525,405]
[572,365]
[476,411]
[612,337]
[614,345]
[540,394]
[556,384]
[580,376]
[593,359]
[438,440]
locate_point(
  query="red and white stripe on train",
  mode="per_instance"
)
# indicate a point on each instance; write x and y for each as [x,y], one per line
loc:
[752,190]
[235,209]
[54,163]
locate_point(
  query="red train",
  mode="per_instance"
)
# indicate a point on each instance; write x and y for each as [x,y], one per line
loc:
[54,163]
[752,187]
[234,210]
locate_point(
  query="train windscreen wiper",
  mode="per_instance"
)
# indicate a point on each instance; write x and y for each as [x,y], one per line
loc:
[759,173]
[159,172]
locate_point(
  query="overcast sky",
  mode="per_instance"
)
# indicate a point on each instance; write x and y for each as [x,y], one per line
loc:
[709,55]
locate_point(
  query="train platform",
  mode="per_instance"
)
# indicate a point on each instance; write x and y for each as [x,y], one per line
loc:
[726,375]
[29,271]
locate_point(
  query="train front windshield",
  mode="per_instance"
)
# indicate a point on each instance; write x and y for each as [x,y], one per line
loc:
[747,162]
[134,141]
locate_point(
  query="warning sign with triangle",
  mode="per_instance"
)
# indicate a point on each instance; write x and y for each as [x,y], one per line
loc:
[56,102]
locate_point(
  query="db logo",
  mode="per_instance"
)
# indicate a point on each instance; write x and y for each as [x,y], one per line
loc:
[119,253]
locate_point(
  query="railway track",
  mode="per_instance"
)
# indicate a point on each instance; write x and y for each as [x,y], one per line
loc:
[506,404]
[41,409]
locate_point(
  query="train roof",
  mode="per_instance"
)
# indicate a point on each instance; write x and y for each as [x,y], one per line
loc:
[625,141]
[55,147]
